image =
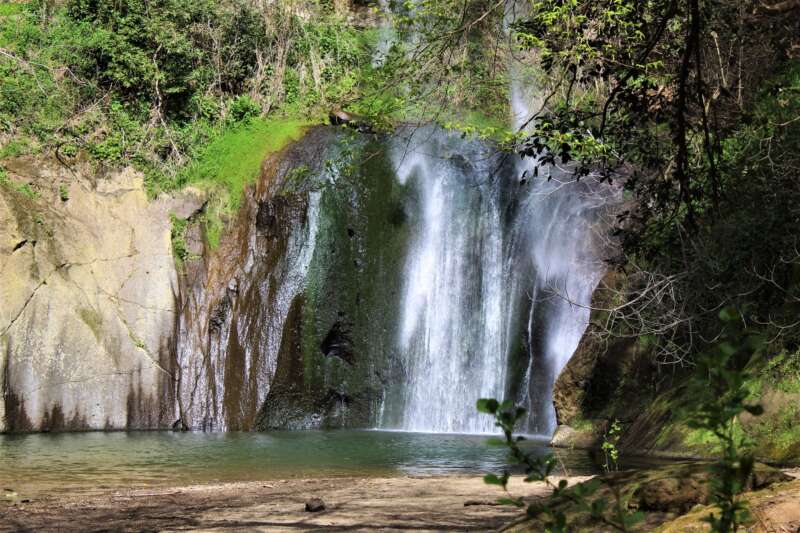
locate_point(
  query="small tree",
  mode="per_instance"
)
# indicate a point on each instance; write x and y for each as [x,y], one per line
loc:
[617,516]
[720,387]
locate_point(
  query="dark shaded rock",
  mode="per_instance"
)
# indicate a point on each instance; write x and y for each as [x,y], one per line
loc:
[397,215]
[270,213]
[359,123]
[315,505]
[338,343]
[673,494]
[661,493]
[678,487]
[764,476]
[461,163]
[16,418]
[218,315]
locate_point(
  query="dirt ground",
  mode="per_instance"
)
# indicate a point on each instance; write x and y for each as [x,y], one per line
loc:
[382,504]
[352,504]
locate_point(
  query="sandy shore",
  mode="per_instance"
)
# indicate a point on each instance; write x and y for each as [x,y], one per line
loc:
[373,504]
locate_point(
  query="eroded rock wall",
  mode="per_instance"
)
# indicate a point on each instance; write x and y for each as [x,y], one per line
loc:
[612,376]
[237,298]
[288,323]
[88,292]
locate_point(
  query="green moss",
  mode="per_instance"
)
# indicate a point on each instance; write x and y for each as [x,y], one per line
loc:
[581,424]
[180,250]
[352,278]
[23,188]
[232,161]
[94,320]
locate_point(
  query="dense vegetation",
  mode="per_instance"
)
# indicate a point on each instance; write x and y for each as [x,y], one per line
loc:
[177,88]
[691,107]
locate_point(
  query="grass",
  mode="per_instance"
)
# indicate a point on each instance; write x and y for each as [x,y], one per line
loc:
[11,8]
[233,160]
[22,188]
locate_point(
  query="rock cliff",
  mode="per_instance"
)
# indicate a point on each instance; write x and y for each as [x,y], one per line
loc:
[87,299]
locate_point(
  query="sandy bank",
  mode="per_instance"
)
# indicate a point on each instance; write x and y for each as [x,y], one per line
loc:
[388,504]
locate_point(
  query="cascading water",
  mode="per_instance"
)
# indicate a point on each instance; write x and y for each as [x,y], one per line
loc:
[500,259]
[452,336]
[427,272]
[496,263]
[559,264]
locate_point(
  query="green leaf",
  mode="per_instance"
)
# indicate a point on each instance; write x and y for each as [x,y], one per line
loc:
[487,405]
[491,479]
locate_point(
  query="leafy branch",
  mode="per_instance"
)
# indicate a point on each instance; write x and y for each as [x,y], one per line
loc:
[539,469]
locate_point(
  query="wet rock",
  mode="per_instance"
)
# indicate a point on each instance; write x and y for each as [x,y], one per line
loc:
[461,163]
[359,123]
[315,505]
[267,218]
[338,343]
[219,315]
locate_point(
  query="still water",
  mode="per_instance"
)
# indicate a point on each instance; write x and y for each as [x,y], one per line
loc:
[84,463]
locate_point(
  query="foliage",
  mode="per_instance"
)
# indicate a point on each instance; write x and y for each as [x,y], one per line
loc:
[609,446]
[617,516]
[150,84]
[722,395]
[721,391]
[180,250]
[232,161]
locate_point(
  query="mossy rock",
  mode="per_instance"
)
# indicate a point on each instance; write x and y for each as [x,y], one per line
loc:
[663,494]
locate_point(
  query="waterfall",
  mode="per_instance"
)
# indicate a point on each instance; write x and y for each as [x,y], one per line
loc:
[386,34]
[555,238]
[452,338]
[499,259]
[494,263]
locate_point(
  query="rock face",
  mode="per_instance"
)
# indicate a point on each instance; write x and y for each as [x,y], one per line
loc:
[236,300]
[286,324]
[87,300]
[608,377]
